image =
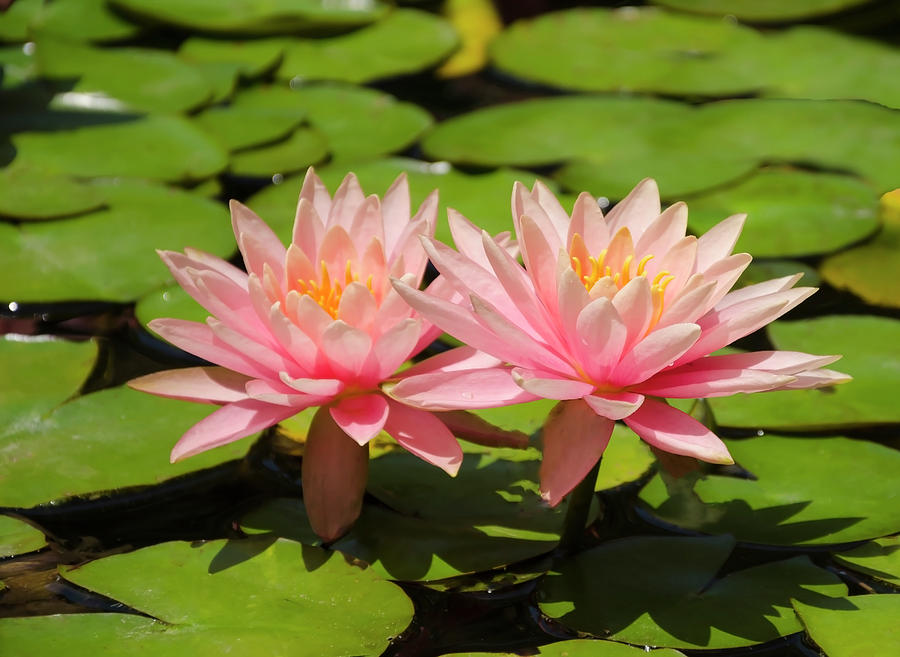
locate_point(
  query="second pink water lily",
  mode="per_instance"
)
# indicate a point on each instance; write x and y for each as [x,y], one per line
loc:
[610,314]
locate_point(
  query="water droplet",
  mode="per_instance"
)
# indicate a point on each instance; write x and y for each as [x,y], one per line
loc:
[603,202]
[28,48]
[760,432]
[277,179]
[13,306]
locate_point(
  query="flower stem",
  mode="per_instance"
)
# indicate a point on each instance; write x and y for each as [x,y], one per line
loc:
[580,500]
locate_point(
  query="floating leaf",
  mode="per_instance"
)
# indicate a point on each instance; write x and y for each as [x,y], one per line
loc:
[27,392]
[765,270]
[762,10]
[256,16]
[209,601]
[869,348]
[304,147]
[630,49]
[791,213]
[108,439]
[872,270]
[56,261]
[17,66]
[482,198]
[158,147]
[16,18]
[236,128]
[582,648]
[879,558]
[802,493]
[170,301]
[17,537]
[625,459]
[83,20]
[250,59]
[405,41]
[146,80]
[667,593]
[358,123]
[861,626]
[29,194]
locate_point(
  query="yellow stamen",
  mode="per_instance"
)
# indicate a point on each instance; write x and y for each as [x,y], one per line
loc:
[642,264]
[328,294]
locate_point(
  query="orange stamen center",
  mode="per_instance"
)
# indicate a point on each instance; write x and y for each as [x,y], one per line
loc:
[327,292]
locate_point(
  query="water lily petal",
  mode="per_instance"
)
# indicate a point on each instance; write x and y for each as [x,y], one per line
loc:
[658,350]
[670,430]
[361,417]
[718,242]
[345,202]
[346,349]
[614,405]
[459,389]
[663,232]
[257,242]
[682,382]
[396,211]
[637,210]
[215,385]
[314,191]
[421,433]
[542,384]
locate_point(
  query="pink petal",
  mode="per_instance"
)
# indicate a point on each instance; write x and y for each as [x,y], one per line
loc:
[689,306]
[361,417]
[460,358]
[309,316]
[274,392]
[587,221]
[299,267]
[231,422]
[759,290]
[468,238]
[777,362]
[334,475]
[554,211]
[395,210]
[540,260]
[602,335]
[725,274]
[346,348]
[396,345]
[336,250]
[459,389]
[670,430]
[256,240]
[424,435]
[682,382]
[200,384]
[347,199]
[322,387]
[269,360]
[718,242]
[357,306]
[614,405]
[202,259]
[574,439]
[409,247]
[634,304]
[293,341]
[571,298]
[658,350]
[637,210]
[315,192]
[367,224]
[544,384]
[524,205]
[816,379]
[308,228]
[663,232]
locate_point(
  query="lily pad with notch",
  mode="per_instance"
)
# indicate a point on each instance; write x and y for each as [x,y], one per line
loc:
[860,626]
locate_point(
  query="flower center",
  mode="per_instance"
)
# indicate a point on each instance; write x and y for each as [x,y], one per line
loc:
[327,292]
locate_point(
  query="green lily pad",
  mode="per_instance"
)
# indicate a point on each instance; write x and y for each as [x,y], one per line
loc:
[170,301]
[405,41]
[762,11]
[26,390]
[59,260]
[763,270]
[16,18]
[869,348]
[582,648]
[109,439]
[625,459]
[221,77]
[359,123]
[17,537]
[17,66]
[802,494]
[482,198]
[667,593]
[28,194]
[630,49]
[879,558]
[861,626]
[403,547]
[792,213]
[256,16]
[209,601]
[158,147]
[146,80]
[857,68]
[83,20]
[304,147]
[872,270]
[250,59]
[236,128]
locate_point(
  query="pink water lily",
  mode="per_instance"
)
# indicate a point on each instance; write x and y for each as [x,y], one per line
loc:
[314,324]
[610,314]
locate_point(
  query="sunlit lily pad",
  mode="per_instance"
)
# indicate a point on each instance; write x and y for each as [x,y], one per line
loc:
[171,301]
[56,261]
[84,20]
[15,19]
[630,49]
[667,593]
[158,147]
[582,648]
[803,493]
[17,66]
[209,601]
[762,10]
[256,16]
[761,270]
[108,439]
[404,547]
[249,58]
[872,270]
[29,194]
[302,148]
[879,559]
[405,41]
[625,459]
[869,348]
[791,213]
[861,626]
[147,80]
[482,198]
[27,391]
[17,537]
[237,128]
[358,122]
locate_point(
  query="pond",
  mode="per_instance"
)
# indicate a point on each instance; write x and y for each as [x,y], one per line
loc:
[126,127]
